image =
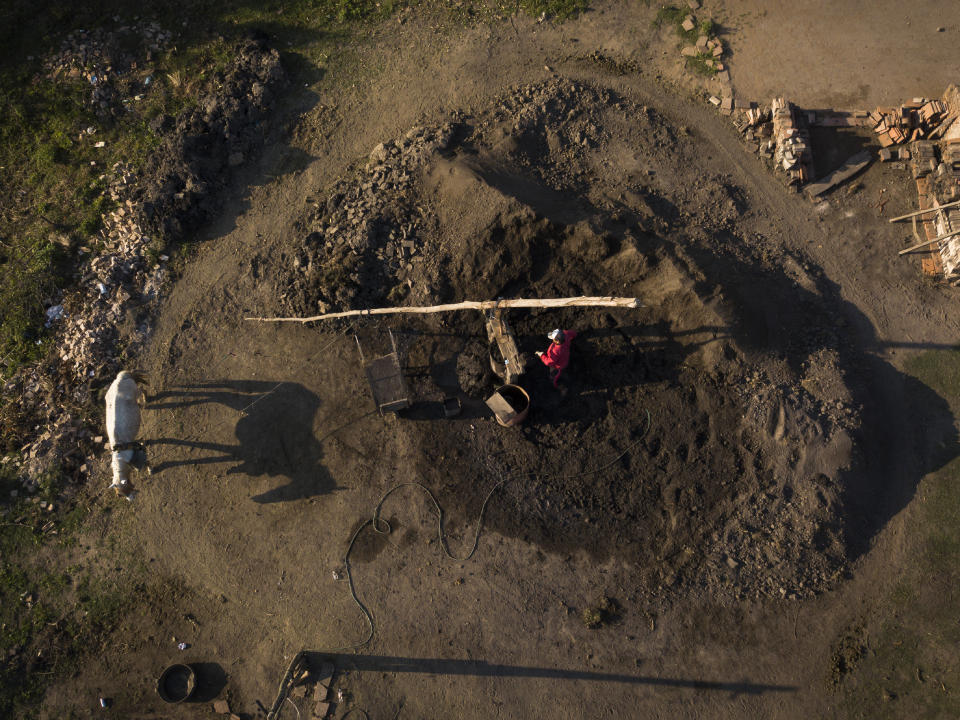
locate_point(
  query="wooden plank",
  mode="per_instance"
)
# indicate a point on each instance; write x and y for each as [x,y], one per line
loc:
[581,301]
[924,211]
[501,408]
[846,171]
[929,242]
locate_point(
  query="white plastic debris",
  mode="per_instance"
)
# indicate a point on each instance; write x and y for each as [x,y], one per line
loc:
[182,646]
[53,314]
[100,144]
[102,289]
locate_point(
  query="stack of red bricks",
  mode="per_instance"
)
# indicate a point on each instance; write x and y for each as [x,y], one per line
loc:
[911,121]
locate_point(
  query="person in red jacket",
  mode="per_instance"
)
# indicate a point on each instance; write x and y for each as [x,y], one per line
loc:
[557,356]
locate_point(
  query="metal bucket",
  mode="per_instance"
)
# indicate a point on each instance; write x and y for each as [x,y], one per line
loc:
[518,399]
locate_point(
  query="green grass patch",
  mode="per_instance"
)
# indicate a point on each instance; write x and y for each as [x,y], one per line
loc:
[673,17]
[52,611]
[911,667]
[562,9]
[701,65]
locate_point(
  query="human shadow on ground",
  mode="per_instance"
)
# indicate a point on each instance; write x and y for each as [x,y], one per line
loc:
[274,434]
[481,668]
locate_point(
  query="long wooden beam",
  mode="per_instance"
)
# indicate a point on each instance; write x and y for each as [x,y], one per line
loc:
[929,242]
[924,212]
[471,305]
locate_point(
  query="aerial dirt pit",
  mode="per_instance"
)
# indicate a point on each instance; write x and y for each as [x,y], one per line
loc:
[702,436]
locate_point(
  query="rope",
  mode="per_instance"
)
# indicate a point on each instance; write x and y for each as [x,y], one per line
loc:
[383,526]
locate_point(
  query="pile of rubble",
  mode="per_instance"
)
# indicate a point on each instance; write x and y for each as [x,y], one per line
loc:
[756,126]
[792,150]
[176,191]
[172,195]
[101,58]
[707,49]
[369,227]
[367,242]
[779,133]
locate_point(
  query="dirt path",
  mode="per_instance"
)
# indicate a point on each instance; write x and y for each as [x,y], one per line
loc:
[843,55]
[269,456]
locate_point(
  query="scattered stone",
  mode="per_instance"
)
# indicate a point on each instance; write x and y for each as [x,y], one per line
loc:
[176,191]
[688,23]
[379,154]
[221,707]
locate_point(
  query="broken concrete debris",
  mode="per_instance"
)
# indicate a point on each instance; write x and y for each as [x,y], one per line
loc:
[707,50]
[175,192]
[792,150]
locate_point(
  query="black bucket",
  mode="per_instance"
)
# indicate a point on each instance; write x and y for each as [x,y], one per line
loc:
[176,684]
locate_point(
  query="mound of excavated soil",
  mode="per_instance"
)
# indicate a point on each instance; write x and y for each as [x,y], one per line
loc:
[696,439]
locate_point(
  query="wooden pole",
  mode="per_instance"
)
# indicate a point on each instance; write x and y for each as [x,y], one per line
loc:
[923,212]
[471,305]
[928,242]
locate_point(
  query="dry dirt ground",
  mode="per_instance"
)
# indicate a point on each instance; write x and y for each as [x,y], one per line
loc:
[733,465]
